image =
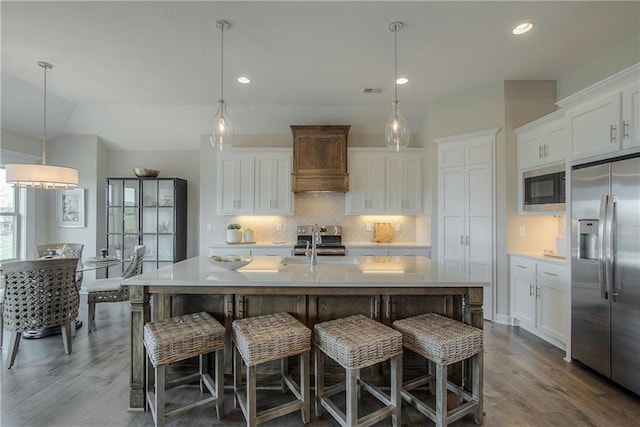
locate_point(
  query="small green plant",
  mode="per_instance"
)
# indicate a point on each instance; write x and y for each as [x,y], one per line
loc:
[234,226]
[249,229]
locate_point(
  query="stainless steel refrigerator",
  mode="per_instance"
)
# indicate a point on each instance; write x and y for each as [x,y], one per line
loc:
[605,268]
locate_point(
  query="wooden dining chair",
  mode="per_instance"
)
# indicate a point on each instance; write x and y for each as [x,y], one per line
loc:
[39,294]
[111,289]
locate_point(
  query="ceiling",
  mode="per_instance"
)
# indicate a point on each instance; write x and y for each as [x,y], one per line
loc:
[146,75]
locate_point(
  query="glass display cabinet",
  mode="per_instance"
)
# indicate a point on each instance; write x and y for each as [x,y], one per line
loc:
[150,212]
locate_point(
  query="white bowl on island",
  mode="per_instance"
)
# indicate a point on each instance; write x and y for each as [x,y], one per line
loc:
[230,262]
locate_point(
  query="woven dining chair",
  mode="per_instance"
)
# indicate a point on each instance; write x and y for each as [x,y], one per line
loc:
[111,289]
[63,250]
[39,294]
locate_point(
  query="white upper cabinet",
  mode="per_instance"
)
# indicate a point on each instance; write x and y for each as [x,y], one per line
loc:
[367,183]
[273,185]
[543,142]
[404,184]
[631,116]
[235,184]
[604,117]
[384,183]
[256,183]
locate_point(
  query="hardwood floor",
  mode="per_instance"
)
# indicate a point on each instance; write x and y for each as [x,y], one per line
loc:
[527,383]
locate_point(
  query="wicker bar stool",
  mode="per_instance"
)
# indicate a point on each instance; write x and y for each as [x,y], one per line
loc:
[263,339]
[443,341]
[179,338]
[357,342]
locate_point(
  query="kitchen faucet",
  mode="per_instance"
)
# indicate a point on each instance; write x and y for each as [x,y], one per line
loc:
[315,239]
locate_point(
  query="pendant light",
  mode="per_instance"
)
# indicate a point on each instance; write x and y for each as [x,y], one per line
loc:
[221,134]
[42,175]
[396,131]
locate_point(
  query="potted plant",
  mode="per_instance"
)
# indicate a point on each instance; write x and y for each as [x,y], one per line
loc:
[249,234]
[234,233]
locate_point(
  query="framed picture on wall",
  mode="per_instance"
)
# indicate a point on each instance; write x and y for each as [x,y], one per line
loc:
[70,207]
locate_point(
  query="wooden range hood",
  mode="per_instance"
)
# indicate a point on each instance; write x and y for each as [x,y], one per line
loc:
[320,158]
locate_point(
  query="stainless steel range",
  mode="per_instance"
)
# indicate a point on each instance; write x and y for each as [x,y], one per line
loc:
[331,244]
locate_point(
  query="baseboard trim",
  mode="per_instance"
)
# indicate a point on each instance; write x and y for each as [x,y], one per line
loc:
[505,320]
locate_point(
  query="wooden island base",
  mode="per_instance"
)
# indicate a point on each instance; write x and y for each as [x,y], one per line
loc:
[310,303]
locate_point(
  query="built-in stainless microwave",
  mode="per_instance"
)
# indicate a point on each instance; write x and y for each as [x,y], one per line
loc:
[544,189]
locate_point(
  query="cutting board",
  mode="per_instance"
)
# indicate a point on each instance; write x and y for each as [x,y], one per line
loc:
[382,232]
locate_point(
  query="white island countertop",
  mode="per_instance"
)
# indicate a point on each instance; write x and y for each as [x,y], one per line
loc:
[339,272]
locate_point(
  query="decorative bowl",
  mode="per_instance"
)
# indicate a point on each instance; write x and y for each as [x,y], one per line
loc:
[230,262]
[145,173]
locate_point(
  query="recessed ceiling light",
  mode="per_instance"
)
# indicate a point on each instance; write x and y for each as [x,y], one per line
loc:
[522,28]
[244,80]
[402,81]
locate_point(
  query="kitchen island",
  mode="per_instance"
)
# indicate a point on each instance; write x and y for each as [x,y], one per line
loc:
[383,288]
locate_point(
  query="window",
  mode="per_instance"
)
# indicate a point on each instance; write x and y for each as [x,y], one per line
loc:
[9,219]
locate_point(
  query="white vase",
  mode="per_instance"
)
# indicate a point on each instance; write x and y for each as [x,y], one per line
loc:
[248,237]
[234,236]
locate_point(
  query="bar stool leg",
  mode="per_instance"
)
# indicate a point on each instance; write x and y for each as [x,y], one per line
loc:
[396,387]
[203,362]
[319,357]
[219,379]
[431,370]
[237,375]
[441,395]
[284,370]
[159,401]
[251,396]
[304,386]
[477,386]
[352,397]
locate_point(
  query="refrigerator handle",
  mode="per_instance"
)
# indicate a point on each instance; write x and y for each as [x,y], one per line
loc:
[602,279]
[609,255]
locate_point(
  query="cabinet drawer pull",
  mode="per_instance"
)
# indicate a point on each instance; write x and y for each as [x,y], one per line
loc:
[612,132]
[550,274]
[521,266]
[530,289]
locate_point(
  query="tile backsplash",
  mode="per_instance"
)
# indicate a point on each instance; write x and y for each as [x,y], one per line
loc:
[324,209]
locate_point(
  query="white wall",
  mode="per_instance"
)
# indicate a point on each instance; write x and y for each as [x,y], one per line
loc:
[612,61]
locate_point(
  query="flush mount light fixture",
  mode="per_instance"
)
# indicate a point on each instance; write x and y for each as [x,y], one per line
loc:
[42,175]
[244,80]
[396,131]
[221,134]
[402,81]
[523,27]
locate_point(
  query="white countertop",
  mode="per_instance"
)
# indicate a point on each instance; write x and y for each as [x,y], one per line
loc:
[540,257]
[291,244]
[399,245]
[402,271]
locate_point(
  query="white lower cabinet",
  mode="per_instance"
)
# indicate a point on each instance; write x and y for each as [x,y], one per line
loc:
[274,251]
[389,251]
[539,290]
[249,251]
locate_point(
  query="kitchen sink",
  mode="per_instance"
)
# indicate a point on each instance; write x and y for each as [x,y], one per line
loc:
[334,260]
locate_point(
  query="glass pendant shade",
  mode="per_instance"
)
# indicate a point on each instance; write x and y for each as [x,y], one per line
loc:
[397,132]
[221,134]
